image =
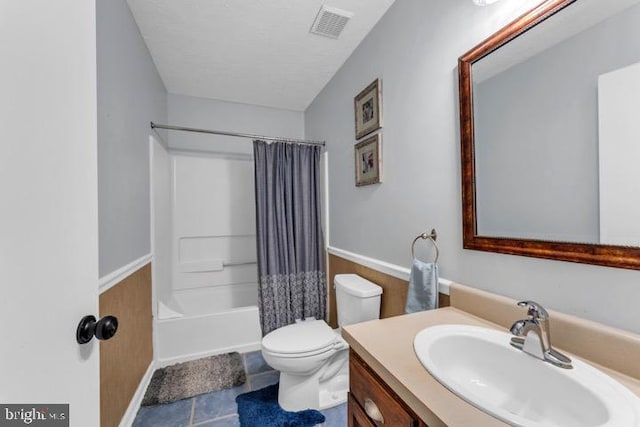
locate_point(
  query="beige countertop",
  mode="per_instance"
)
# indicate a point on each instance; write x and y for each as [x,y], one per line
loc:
[387,346]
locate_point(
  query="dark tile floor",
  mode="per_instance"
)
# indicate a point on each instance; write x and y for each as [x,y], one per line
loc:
[218,409]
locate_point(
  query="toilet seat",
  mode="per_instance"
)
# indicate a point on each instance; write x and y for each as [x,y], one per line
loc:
[302,339]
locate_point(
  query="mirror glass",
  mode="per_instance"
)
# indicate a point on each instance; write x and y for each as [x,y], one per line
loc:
[556,129]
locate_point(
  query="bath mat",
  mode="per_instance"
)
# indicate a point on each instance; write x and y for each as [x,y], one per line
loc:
[260,409]
[188,379]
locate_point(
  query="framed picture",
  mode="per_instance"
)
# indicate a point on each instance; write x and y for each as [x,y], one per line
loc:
[368,161]
[367,105]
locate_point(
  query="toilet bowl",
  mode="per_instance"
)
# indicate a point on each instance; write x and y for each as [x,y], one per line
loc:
[304,353]
[313,358]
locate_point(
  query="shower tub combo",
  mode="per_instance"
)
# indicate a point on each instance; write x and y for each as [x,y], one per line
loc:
[204,254]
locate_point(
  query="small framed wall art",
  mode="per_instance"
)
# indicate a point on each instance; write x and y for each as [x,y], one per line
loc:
[368,161]
[368,109]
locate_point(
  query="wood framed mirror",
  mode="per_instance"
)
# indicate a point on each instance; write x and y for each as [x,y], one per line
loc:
[542,164]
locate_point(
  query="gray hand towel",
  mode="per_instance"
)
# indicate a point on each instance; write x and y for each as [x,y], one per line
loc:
[423,287]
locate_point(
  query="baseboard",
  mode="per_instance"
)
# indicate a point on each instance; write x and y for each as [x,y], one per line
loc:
[110,280]
[384,267]
[130,414]
[245,348]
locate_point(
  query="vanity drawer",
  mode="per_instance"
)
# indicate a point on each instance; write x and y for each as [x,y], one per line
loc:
[357,417]
[381,406]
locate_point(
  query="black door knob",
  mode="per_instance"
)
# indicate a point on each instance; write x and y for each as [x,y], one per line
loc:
[103,329]
[106,327]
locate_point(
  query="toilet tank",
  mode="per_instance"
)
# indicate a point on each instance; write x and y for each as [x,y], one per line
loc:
[357,299]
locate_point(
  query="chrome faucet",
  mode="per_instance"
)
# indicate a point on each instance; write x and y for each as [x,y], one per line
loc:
[533,337]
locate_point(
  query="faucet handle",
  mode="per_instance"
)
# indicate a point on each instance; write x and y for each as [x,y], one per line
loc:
[535,310]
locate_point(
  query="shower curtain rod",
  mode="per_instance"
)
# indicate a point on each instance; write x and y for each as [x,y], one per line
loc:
[240,135]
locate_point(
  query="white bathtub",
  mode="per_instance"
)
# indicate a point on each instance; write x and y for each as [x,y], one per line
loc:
[205,321]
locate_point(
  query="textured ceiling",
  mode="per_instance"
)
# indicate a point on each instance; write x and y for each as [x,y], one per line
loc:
[251,51]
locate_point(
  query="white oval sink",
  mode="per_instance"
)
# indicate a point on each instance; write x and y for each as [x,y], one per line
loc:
[480,366]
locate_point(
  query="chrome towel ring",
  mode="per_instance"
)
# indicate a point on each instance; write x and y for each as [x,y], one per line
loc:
[425,236]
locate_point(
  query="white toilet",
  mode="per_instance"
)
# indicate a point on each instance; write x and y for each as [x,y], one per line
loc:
[313,358]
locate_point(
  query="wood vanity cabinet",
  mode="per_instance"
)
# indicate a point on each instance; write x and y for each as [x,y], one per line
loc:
[372,403]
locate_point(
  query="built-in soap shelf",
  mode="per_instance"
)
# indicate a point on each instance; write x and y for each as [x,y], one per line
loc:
[213,253]
[210,265]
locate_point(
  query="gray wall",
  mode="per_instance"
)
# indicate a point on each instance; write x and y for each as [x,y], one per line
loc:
[206,113]
[537,135]
[130,95]
[414,50]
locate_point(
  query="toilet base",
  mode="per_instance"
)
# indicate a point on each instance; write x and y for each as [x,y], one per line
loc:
[324,389]
[297,392]
[335,392]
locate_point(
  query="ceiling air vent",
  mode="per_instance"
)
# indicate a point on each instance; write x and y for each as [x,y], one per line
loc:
[330,21]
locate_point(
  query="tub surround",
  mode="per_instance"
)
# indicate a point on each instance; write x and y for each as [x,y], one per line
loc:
[205,277]
[386,346]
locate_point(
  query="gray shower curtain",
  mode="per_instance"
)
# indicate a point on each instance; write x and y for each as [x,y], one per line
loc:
[291,261]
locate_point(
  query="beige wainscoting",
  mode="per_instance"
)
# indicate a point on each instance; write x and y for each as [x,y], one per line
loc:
[394,290]
[125,358]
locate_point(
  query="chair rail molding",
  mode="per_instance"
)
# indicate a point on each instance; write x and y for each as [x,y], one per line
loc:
[110,280]
[384,267]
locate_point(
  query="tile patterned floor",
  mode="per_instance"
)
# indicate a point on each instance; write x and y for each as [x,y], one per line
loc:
[218,409]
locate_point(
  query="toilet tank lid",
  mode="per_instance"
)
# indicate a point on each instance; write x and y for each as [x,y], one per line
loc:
[356,285]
